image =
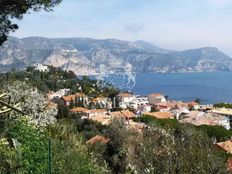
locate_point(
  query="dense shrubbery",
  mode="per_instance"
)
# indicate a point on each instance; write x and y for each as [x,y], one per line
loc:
[56,79]
[217,132]
[223,105]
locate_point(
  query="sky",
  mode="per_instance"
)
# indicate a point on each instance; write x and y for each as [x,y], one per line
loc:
[172,24]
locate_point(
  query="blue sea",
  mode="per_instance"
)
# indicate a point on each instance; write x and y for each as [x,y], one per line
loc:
[212,87]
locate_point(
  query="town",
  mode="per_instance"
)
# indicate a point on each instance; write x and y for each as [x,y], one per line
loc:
[94,106]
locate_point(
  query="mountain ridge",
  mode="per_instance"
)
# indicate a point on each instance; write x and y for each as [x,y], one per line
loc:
[87,56]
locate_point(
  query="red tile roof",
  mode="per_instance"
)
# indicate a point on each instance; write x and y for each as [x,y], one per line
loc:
[160,115]
[72,97]
[226,145]
[125,94]
[79,109]
[155,95]
[97,139]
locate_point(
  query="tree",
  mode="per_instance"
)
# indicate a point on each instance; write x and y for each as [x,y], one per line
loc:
[15,9]
[31,101]
[197,100]
[179,150]
[69,154]
[72,104]
[25,150]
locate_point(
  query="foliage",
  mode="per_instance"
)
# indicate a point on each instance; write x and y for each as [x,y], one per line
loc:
[31,102]
[16,9]
[69,154]
[218,132]
[164,123]
[223,105]
[197,100]
[27,152]
[116,151]
[56,79]
[183,150]
[89,128]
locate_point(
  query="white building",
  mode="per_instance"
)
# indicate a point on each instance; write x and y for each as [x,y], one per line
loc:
[58,94]
[40,67]
[156,98]
[124,99]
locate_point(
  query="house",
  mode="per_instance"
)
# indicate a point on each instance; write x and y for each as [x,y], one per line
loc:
[156,98]
[125,114]
[193,105]
[160,115]
[143,108]
[164,107]
[103,119]
[136,126]
[41,68]
[95,112]
[69,98]
[103,102]
[202,118]
[124,99]
[79,110]
[58,94]
[226,145]
[98,139]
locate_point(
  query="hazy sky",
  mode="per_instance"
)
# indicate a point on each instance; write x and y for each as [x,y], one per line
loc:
[173,24]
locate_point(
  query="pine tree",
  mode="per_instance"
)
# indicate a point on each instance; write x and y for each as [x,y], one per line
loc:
[72,104]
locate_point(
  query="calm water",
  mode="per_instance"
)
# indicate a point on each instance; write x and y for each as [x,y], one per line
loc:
[208,87]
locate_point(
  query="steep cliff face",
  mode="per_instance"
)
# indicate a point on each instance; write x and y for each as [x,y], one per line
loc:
[87,56]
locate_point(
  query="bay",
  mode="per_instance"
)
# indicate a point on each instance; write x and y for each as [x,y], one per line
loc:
[210,87]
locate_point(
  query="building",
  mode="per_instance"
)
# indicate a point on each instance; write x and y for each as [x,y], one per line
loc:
[67,99]
[58,94]
[202,118]
[165,107]
[124,99]
[156,98]
[95,112]
[226,145]
[79,110]
[224,112]
[160,115]
[193,105]
[41,68]
[103,102]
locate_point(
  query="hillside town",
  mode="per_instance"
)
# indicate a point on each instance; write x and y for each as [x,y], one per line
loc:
[130,106]
[127,106]
[94,108]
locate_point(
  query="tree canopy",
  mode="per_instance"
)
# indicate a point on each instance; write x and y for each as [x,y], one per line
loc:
[15,9]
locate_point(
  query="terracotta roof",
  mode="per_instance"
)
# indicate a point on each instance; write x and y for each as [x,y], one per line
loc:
[102,119]
[52,105]
[136,125]
[122,114]
[181,105]
[125,94]
[229,164]
[166,104]
[160,115]
[155,95]
[226,145]
[99,99]
[98,138]
[192,103]
[79,109]
[95,111]
[72,97]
